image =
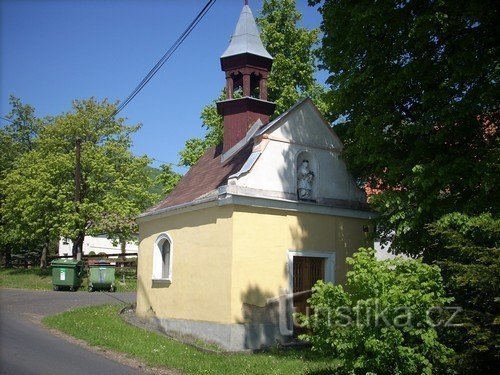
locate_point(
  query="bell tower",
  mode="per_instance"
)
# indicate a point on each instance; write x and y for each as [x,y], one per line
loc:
[246,64]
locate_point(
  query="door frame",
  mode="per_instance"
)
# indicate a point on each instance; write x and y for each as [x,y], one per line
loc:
[329,257]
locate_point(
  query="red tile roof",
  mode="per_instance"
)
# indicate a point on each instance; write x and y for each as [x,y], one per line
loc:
[205,176]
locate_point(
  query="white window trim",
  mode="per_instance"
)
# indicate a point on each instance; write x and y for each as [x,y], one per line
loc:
[158,260]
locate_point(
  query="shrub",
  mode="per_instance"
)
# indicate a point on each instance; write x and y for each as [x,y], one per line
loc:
[384,321]
[467,249]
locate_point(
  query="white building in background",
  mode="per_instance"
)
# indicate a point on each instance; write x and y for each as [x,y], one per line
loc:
[97,244]
[382,252]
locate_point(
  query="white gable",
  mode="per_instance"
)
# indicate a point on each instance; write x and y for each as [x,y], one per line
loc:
[305,125]
[300,134]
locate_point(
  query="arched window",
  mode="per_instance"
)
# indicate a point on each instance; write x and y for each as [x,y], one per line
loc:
[162,258]
[165,258]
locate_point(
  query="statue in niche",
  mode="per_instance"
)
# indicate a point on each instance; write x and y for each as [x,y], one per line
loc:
[304,181]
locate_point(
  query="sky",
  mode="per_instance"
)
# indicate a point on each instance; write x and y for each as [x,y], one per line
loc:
[55,51]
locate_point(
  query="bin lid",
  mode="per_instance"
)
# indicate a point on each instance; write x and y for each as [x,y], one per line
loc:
[66,262]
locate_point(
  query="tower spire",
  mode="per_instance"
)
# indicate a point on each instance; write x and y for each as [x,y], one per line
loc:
[247,64]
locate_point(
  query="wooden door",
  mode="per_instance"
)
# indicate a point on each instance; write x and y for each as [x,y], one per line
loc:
[306,271]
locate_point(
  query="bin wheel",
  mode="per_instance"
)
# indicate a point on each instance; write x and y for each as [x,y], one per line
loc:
[91,289]
[112,289]
[71,288]
[55,287]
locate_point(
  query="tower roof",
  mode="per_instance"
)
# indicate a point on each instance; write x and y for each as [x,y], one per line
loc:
[246,37]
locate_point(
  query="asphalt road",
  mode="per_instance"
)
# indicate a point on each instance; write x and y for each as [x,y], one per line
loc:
[26,347]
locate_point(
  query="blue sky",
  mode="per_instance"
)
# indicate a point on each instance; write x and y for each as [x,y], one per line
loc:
[55,51]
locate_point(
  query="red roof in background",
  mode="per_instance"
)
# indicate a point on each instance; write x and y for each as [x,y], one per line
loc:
[369,191]
[206,175]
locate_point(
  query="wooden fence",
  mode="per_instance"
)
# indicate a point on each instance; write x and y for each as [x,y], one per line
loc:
[126,268]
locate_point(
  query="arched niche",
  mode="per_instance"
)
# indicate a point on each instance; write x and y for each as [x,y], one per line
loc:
[306,176]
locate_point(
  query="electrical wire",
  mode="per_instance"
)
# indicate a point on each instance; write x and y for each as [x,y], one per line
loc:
[165,57]
[154,159]
[6,119]
[165,162]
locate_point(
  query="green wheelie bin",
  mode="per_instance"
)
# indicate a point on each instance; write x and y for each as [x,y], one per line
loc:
[66,273]
[102,276]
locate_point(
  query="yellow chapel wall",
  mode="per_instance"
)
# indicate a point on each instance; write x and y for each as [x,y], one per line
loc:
[262,239]
[201,266]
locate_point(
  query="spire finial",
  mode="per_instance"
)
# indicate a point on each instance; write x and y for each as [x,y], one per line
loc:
[246,2]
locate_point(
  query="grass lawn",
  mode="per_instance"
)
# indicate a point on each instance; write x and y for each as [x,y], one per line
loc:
[102,326]
[26,278]
[41,279]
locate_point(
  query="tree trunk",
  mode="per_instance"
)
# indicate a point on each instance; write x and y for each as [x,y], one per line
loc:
[8,257]
[123,244]
[78,245]
[43,258]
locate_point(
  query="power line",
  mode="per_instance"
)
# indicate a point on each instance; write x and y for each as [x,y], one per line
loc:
[6,119]
[161,161]
[158,66]
[166,162]
[150,157]
[165,57]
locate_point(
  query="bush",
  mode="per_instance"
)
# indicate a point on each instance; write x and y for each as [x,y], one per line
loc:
[467,249]
[384,321]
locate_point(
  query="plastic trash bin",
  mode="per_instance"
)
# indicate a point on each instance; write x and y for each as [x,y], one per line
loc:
[102,276]
[66,273]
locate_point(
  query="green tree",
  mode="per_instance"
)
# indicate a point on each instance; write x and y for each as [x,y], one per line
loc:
[16,139]
[24,127]
[8,151]
[39,191]
[31,203]
[212,122]
[467,250]
[168,178]
[291,77]
[417,82]
[292,48]
[381,322]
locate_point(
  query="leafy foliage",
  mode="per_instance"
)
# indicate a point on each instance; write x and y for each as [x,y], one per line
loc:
[291,77]
[379,323]
[467,250]
[167,178]
[25,126]
[156,188]
[39,190]
[292,48]
[417,82]
[212,121]
[16,139]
